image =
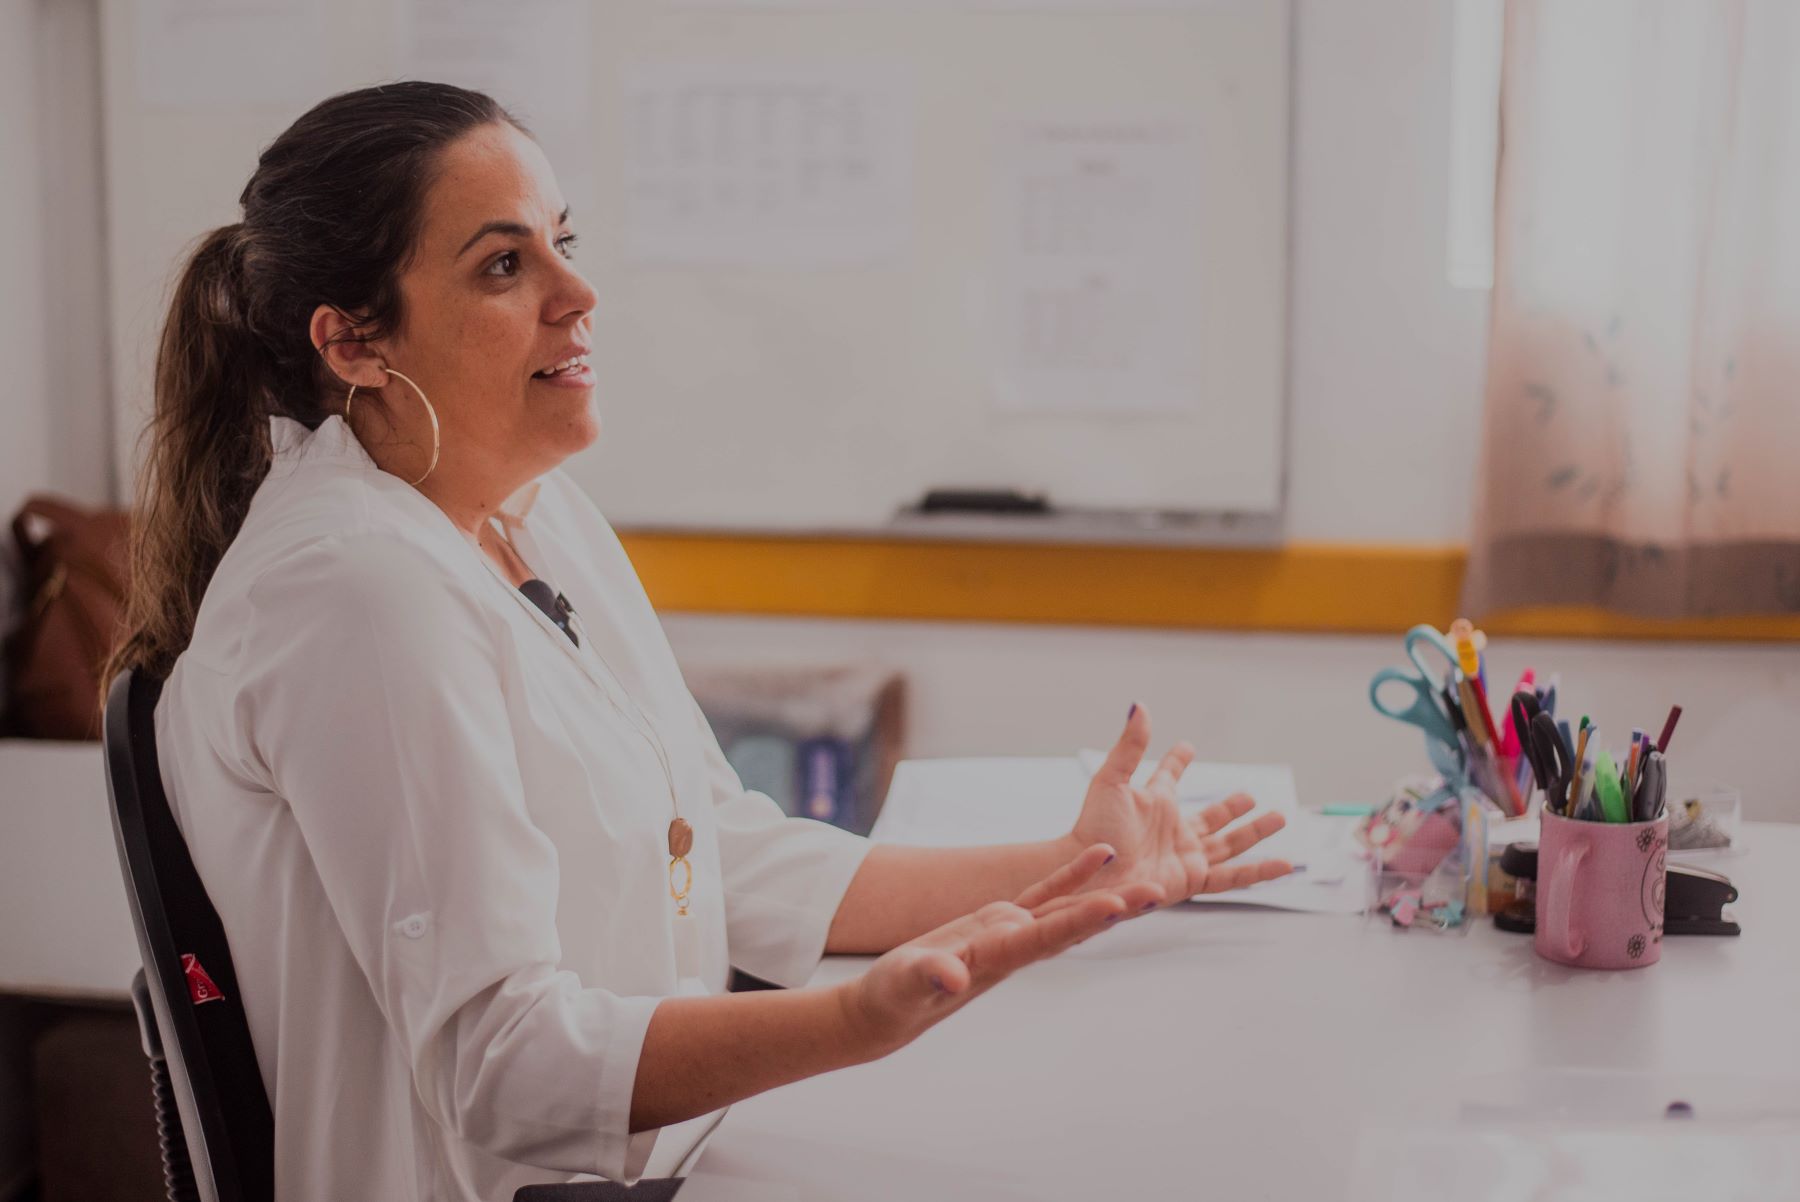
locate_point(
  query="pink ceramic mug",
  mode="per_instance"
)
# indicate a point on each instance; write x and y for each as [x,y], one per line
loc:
[1600,892]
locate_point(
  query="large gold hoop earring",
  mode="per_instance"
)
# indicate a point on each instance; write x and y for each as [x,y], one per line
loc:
[436,440]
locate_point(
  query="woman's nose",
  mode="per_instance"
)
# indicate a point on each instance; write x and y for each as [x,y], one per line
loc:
[575,297]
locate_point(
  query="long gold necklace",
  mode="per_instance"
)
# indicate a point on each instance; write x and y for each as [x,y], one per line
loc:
[681,835]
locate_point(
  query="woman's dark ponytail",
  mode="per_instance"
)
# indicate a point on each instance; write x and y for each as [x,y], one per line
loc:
[208,450]
[331,215]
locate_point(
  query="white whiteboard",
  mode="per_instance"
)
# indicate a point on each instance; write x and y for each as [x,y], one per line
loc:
[888,335]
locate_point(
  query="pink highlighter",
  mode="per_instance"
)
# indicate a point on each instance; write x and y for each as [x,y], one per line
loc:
[1510,746]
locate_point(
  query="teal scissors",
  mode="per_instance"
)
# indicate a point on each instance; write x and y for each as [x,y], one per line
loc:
[1425,706]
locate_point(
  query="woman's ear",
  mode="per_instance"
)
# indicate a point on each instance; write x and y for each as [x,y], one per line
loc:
[351,359]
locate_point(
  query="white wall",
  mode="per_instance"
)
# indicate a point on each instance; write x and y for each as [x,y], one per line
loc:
[55,418]
[1016,690]
[1383,352]
[1385,358]
[53,335]
[1386,364]
[24,449]
[1385,375]
[71,191]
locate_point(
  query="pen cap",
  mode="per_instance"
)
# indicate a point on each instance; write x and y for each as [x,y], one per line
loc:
[1467,658]
[1468,654]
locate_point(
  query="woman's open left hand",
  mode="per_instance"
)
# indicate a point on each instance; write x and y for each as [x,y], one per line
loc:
[1155,842]
[924,981]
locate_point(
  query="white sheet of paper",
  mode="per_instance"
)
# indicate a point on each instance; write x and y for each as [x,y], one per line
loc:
[1334,877]
[1097,287]
[530,55]
[201,53]
[765,167]
[978,802]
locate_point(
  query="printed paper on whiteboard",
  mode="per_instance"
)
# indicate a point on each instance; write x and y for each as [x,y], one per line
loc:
[764,167]
[202,53]
[1096,272]
[530,55]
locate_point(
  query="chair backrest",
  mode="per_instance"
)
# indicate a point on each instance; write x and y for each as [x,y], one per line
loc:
[193,986]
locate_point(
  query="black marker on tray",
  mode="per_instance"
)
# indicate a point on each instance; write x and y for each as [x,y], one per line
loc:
[984,501]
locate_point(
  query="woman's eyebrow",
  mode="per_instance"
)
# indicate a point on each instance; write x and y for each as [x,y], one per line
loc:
[505,227]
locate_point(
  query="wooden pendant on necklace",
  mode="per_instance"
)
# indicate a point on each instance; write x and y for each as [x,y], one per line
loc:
[681,841]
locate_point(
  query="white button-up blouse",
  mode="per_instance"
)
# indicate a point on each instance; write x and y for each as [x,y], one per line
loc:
[436,832]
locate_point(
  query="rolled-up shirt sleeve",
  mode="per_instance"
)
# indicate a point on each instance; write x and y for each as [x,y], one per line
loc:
[784,877]
[374,701]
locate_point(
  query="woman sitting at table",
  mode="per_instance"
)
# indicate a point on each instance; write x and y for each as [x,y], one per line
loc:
[483,868]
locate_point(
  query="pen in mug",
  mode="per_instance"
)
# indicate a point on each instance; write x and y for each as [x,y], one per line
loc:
[1470,718]
[1487,716]
[1631,765]
[1637,797]
[1584,807]
[1575,773]
[1610,788]
[1512,741]
[1453,706]
[1668,730]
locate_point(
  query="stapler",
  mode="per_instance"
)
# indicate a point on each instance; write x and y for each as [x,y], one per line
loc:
[1694,899]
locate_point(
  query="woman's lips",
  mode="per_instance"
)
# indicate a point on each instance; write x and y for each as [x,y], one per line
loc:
[581,377]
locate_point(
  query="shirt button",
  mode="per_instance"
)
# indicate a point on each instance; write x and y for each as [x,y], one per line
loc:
[413,925]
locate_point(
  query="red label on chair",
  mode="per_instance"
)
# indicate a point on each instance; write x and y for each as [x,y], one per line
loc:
[200,986]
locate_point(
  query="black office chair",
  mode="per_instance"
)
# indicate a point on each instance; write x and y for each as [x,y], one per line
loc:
[218,1135]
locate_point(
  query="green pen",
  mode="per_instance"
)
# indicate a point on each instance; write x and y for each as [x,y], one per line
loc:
[1608,788]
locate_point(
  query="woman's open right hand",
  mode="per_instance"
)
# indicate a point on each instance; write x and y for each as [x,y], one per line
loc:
[920,983]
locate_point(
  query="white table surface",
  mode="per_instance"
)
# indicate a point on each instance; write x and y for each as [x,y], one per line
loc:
[1241,1053]
[1198,1052]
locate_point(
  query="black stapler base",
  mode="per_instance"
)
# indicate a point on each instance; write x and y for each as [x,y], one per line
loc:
[1694,900]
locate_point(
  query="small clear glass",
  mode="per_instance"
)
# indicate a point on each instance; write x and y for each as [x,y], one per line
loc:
[1705,822]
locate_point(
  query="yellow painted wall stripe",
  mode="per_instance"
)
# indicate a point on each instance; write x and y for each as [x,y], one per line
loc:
[1335,588]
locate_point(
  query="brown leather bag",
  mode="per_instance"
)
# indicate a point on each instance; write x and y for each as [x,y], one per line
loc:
[74,563]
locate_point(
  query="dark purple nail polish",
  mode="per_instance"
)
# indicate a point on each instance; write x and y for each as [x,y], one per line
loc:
[1112,918]
[1132,713]
[1149,906]
[937,983]
[1109,859]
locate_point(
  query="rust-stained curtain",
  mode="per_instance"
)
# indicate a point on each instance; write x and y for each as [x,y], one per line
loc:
[1642,428]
